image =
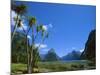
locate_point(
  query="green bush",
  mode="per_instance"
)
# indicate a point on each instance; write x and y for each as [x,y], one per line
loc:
[77,66]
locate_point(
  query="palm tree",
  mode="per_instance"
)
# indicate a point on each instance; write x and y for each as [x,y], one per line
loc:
[34,54]
[44,35]
[19,10]
[29,55]
[32,23]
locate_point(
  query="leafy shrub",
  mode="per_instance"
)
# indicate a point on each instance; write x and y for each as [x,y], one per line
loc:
[77,66]
[91,64]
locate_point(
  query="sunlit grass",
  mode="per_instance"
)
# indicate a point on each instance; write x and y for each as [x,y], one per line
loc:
[52,67]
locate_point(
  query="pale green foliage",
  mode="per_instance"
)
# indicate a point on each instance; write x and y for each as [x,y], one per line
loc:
[44,33]
[32,21]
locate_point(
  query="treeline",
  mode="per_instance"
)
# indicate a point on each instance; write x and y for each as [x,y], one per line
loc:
[18,49]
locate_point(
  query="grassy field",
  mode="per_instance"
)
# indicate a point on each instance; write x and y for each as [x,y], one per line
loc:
[18,68]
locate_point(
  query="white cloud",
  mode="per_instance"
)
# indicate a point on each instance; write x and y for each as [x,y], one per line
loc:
[29,37]
[46,26]
[45,49]
[13,14]
[50,25]
[81,50]
[41,46]
[24,26]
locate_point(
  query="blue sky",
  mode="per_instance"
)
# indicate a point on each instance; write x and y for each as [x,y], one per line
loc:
[69,25]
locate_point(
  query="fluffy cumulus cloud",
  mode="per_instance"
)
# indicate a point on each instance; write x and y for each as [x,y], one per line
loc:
[41,46]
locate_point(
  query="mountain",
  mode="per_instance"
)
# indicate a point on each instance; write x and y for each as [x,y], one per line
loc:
[50,56]
[74,55]
[42,56]
[90,47]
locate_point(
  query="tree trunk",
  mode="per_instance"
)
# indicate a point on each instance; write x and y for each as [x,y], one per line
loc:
[15,27]
[17,58]
[28,57]
[33,52]
[30,63]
